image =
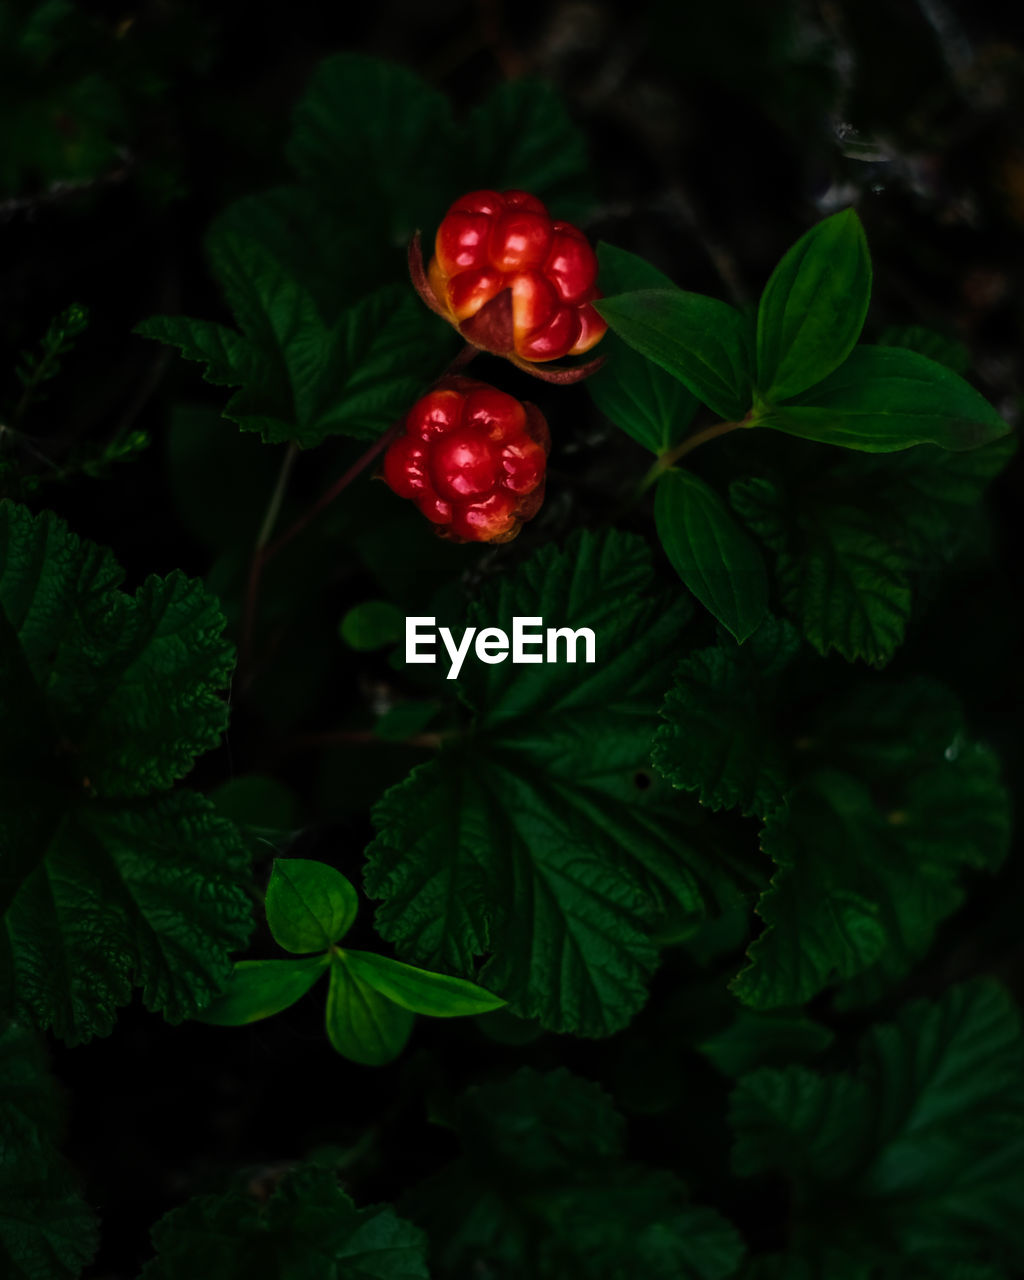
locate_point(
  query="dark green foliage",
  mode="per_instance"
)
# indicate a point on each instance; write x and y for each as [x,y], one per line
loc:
[542,798]
[916,1156]
[46,1228]
[307,1229]
[543,1189]
[107,698]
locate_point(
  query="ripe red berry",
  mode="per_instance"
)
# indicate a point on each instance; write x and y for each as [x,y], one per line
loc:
[513,281]
[472,459]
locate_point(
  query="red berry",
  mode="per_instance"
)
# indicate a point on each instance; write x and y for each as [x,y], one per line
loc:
[513,281]
[473,459]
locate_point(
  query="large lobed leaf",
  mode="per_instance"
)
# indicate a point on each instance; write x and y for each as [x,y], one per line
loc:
[872,843]
[852,534]
[107,697]
[918,1155]
[530,840]
[308,1229]
[542,1189]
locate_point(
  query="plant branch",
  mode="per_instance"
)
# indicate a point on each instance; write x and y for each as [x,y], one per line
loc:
[259,555]
[667,460]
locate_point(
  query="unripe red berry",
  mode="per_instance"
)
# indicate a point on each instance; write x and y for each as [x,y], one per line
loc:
[473,459]
[513,281]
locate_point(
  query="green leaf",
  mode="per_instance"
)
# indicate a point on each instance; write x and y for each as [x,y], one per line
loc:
[760,1039]
[883,399]
[845,584]
[131,685]
[915,337]
[436,994]
[701,341]
[374,624]
[720,738]
[260,988]
[522,138]
[46,1229]
[918,803]
[149,894]
[710,552]
[310,905]
[650,405]
[530,840]
[105,697]
[919,1155]
[307,1229]
[374,141]
[227,355]
[813,307]
[362,1024]
[543,1190]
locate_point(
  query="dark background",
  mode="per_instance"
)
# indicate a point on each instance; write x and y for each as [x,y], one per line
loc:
[718,133]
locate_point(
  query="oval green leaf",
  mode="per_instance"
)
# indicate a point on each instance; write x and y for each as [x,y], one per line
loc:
[309,905]
[260,988]
[644,401]
[886,398]
[363,1025]
[813,307]
[699,340]
[374,624]
[718,562]
[436,994]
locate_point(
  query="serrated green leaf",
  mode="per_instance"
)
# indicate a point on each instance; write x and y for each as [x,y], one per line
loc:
[719,739]
[438,995]
[716,560]
[543,1190]
[530,840]
[846,586]
[118,695]
[898,832]
[362,1024]
[310,905]
[308,1224]
[701,341]
[883,399]
[46,1228]
[813,307]
[258,989]
[148,894]
[643,400]
[227,355]
[917,1156]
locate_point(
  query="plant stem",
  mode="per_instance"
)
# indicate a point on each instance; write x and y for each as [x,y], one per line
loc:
[667,460]
[259,555]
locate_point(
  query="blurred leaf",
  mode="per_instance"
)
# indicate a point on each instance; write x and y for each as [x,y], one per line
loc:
[720,738]
[813,307]
[650,405]
[374,624]
[918,1156]
[915,337]
[542,1189]
[307,1228]
[762,1039]
[716,560]
[530,840]
[258,989]
[310,905]
[698,340]
[885,398]
[46,1227]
